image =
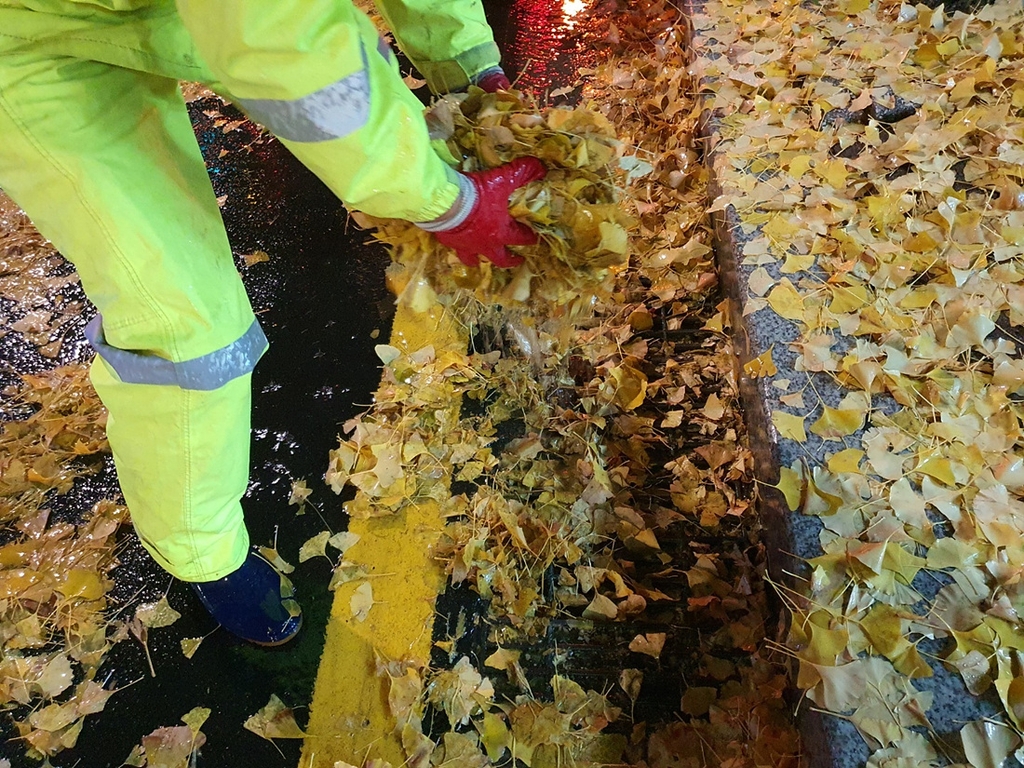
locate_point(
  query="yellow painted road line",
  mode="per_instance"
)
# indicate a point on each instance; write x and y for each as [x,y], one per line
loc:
[349,717]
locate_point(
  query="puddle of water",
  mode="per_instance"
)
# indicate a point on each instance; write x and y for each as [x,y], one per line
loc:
[543,42]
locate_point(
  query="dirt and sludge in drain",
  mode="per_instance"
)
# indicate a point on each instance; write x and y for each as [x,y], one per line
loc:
[606,600]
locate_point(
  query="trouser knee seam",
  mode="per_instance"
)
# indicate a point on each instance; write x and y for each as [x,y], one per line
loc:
[187,513]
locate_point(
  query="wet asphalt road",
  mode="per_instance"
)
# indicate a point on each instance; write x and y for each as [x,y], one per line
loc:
[322,302]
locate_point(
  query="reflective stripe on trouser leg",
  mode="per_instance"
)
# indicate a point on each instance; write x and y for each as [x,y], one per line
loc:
[205,373]
[449,41]
[105,162]
[202,419]
[305,68]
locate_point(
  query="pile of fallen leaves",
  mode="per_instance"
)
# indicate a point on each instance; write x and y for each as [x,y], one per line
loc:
[60,438]
[872,155]
[54,574]
[56,623]
[599,452]
[43,297]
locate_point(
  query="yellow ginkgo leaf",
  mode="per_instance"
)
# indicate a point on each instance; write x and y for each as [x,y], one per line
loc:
[274,721]
[494,735]
[630,386]
[791,485]
[502,658]
[987,744]
[189,646]
[847,460]
[789,425]
[786,300]
[361,601]
[156,615]
[761,365]
[884,629]
[826,643]
[614,238]
[835,423]
[314,547]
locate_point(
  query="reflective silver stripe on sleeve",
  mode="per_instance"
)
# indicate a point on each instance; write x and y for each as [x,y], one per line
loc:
[205,373]
[334,111]
[459,211]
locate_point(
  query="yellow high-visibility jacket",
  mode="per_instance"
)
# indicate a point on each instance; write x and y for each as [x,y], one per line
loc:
[96,146]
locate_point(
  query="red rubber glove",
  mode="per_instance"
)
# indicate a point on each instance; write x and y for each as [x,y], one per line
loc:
[488,227]
[494,81]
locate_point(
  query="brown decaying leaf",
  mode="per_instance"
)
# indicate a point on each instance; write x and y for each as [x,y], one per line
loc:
[650,644]
[300,493]
[173,746]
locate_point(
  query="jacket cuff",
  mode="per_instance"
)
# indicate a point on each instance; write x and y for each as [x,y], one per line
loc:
[455,216]
[496,69]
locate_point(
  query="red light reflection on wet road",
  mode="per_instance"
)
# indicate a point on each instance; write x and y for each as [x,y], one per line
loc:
[542,45]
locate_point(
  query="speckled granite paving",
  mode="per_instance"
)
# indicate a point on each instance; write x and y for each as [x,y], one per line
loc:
[792,537]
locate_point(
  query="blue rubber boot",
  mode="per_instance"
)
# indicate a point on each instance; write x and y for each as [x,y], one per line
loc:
[255,603]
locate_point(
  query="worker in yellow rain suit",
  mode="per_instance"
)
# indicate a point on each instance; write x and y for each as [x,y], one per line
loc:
[97,147]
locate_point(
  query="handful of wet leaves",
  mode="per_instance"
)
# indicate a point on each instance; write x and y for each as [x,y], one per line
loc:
[583,231]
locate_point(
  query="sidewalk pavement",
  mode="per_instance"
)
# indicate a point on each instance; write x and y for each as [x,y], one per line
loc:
[801,106]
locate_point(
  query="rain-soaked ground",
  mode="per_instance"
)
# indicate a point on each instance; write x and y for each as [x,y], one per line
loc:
[322,302]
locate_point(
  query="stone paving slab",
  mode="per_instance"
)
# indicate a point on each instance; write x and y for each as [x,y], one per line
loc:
[792,537]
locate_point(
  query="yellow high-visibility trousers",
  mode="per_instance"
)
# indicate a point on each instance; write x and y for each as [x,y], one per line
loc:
[98,149]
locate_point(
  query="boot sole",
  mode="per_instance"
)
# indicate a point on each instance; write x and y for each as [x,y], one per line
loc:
[280,642]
